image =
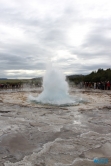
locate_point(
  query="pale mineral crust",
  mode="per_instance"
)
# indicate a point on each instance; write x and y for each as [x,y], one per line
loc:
[44,135]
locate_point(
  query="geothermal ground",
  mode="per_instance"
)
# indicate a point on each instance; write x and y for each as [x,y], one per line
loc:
[42,135]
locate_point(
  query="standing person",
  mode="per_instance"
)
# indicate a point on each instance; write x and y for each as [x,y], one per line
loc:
[101,85]
[97,85]
[85,84]
[94,85]
[89,85]
[105,85]
[108,85]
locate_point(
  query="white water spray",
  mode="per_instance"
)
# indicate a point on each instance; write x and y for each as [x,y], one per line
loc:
[55,89]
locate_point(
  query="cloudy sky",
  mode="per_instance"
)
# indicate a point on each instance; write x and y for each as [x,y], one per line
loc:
[73,34]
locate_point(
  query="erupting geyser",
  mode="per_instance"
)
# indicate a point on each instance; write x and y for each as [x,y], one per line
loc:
[55,89]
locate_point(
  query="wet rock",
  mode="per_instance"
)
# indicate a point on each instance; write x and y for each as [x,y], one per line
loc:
[104,151]
[42,135]
[16,142]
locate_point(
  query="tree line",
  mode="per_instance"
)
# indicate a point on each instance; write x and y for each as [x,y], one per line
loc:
[95,76]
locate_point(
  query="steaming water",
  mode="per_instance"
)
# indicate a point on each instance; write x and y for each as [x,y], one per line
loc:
[55,89]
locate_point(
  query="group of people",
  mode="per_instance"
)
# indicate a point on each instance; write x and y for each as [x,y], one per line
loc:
[10,86]
[18,86]
[103,85]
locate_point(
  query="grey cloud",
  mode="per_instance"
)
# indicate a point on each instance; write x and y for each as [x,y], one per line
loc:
[85,69]
[17,75]
[98,40]
[98,35]
[47,35]
[12,62]
[96,44]
[91,54]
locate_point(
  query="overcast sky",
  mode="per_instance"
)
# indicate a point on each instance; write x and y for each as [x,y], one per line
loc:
[74,34]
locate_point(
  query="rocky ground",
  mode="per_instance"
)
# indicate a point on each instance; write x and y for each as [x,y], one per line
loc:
[40,135]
